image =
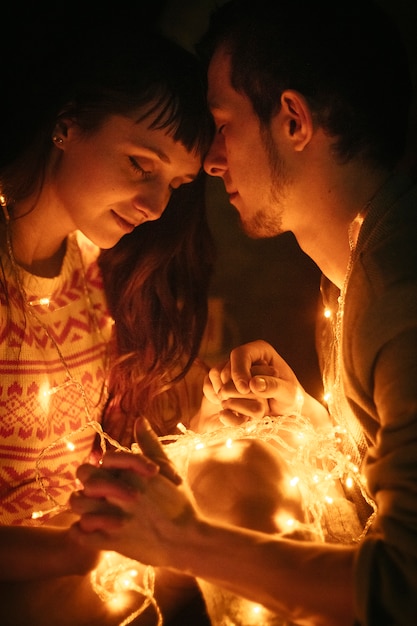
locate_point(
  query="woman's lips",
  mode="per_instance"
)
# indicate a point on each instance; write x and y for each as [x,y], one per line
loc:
[126,226]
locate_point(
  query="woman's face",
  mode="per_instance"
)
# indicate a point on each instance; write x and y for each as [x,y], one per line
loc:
[112,179]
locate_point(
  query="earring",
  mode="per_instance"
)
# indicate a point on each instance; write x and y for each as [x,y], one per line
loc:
[57,139]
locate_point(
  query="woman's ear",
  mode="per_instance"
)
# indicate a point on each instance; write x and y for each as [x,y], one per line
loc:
[296,118]
[62,131]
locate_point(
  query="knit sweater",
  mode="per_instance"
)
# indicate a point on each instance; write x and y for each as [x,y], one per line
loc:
[52,379]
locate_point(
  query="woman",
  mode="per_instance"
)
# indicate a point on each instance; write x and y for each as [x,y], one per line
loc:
[101,126]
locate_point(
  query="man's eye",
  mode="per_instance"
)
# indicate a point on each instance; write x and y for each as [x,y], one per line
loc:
[220,129]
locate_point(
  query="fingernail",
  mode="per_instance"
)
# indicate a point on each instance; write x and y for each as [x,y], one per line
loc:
[242,385]
[260,383]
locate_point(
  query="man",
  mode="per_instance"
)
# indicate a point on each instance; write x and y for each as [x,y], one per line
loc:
[310,103]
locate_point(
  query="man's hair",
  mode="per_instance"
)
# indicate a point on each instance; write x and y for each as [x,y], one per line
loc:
[346,58]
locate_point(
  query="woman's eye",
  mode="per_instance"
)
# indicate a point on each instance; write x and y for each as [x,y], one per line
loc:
[138,168]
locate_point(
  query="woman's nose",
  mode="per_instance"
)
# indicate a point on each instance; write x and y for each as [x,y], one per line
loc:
[215,162]
[154,202]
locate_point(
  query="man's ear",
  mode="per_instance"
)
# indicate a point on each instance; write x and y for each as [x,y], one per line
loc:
[296,118]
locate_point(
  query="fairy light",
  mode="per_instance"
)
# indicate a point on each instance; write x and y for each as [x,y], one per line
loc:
[70,446]
[327,397]
[116,575]
[44,301]
[327,313]
[349,482]
[316,463]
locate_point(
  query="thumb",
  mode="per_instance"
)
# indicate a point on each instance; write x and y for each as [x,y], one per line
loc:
[265,386]
[285,396]
[147,440]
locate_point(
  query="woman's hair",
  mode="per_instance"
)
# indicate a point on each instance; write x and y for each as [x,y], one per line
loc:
[156,278]
[344,56]
[157,281]
[89,69]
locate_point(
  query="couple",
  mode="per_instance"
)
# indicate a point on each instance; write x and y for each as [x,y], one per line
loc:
[310,104]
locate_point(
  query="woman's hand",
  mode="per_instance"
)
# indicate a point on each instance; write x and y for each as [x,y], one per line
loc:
[131,503]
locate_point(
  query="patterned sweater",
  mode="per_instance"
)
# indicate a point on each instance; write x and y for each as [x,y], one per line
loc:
[52,379]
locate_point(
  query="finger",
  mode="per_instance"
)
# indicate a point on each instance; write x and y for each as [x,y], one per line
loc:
[137,463]
[287,396]
[81,504]
[215,376]
[209,392]
[225,373]
[232,418]
[115,486]
[263,370]
[253,407]
[152,448]
[100,524]
[242,360]
[270,386]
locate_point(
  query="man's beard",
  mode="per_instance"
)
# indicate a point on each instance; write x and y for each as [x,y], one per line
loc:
[262,225]
[267,222]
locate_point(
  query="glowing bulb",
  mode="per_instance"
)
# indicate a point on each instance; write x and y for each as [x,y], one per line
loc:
[294,481]
[256,609]
[329,500]
[45,301]
[349,482]
[199,446]
[37,514]
[327,313]
[229,443]
[70,446]
[181,428]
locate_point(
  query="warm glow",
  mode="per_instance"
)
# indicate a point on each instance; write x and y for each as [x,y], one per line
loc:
[316,463]
[40,302]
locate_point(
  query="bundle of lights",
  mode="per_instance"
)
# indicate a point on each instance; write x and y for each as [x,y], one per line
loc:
[316,461]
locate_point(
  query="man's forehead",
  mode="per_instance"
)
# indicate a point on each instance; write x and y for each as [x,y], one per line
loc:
[220,89]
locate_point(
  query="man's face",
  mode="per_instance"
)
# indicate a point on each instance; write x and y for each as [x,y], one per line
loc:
[244,156]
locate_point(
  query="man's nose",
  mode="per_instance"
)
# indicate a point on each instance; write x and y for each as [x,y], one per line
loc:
[215,162]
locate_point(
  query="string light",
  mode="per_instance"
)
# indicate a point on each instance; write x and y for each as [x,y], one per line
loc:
[316,463]
[115,576]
